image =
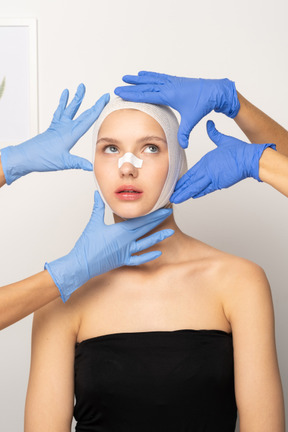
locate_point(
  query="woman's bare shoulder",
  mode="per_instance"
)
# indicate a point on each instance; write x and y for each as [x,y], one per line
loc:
[230,265]
[232,273]
[241,282]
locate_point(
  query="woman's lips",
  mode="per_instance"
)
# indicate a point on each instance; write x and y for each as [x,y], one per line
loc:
[128,193]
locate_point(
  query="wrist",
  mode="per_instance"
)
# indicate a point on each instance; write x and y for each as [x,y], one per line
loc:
[256,152]
[2,176]
[266,164]
[227,101]
[67,274]
[13,163]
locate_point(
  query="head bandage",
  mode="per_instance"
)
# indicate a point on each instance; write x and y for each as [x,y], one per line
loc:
[169,123]
[130,158]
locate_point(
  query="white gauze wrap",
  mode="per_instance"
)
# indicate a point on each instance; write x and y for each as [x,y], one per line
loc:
[169,123]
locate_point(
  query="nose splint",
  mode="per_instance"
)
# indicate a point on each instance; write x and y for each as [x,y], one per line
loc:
[131,158]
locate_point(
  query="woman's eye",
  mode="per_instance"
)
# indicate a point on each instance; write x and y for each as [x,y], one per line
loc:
[151,148]
[110,149]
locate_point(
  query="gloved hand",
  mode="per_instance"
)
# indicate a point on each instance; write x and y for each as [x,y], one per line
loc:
[102,248]
[233,160]
[49,151]
[193,98]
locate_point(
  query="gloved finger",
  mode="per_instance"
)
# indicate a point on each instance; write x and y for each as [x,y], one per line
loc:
[156,75]
[98,211]
[141,88]
[88,117]
[144,258]
[76,162]
[190,191]
[214,134]
[142,79]
[206,191]
[189,176]
[196,183]
[139,96]
[62,105]
[156,217]
[151,240]
[142,93]
[141,231]
[74,105]
[186,178]
[184,133]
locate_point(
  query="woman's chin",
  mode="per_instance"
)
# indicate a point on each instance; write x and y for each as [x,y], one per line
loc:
[131,213]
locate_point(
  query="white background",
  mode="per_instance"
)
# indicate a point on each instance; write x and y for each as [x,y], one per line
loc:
[97,42]
[15,102]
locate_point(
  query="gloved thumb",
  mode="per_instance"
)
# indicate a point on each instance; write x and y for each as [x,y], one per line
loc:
[213,133]
[183,134]
[98,208]
[76,162]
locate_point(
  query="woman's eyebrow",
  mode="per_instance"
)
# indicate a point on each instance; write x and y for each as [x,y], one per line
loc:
[143,139]
[108,140]
[152,137]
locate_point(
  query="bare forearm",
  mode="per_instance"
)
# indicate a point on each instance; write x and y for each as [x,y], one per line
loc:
[2,177]
[273,169]
[20,299]
[259,127]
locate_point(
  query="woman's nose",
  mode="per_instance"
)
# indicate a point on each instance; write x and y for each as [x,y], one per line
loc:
[129,170]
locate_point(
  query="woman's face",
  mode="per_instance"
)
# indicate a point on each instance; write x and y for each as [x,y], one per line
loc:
[131,191]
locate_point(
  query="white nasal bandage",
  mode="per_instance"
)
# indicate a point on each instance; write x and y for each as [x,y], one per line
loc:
[132,159]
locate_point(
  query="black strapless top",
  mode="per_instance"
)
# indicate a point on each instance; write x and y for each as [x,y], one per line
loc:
[159,381]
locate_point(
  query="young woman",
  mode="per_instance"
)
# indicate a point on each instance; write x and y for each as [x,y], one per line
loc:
[150,348]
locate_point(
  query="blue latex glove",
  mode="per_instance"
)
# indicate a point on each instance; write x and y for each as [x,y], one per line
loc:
[102,248]
[49,151]
[193,98]
[233,160]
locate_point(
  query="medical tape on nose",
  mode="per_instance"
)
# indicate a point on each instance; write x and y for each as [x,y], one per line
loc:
[131,158]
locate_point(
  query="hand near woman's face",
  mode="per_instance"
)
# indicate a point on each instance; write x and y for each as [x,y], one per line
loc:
[232,161]
[50,150]
[193,98]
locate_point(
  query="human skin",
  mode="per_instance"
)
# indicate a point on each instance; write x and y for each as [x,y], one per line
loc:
[191,285]
[114,140]
[19,299]
[2,177]
[273,170]
[262,129]
[259,127]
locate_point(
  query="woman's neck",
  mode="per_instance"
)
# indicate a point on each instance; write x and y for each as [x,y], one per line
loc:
[172,247]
